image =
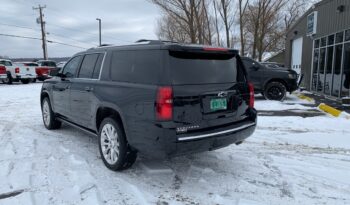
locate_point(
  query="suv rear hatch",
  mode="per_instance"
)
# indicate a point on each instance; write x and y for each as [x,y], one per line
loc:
[209,89]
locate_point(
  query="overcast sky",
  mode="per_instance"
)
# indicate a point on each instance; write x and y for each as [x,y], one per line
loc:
[74,22]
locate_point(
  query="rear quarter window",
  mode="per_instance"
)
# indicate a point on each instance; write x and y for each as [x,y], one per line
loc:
[138,66]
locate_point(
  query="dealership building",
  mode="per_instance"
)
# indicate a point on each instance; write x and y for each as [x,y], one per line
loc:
[318,47]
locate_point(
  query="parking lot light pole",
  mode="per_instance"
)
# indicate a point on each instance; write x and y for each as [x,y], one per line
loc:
[99,27]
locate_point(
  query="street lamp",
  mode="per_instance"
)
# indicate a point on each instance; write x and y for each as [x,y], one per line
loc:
[99,26]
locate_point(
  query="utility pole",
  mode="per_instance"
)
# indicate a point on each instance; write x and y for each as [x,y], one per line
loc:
[43,33]
[99,27]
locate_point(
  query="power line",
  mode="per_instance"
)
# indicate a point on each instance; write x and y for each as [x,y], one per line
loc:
[80,31]
[16,26]
[16,36]
[34,38]
[50,33]
[49,41]
[59,13]
[64,36]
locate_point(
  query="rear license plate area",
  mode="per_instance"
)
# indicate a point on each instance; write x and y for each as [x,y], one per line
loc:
[217,104]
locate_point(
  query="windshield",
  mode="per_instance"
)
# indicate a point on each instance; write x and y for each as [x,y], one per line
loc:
[6,63]
[202,68]
[30,64]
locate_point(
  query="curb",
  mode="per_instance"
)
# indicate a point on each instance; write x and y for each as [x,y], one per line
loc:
[304,97]
[326,108]
[330,110]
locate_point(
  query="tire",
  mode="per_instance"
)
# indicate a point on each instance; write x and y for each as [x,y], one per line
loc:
[49,119]
[34,80]
[8,80]
[275,91]
[120,156]
[25,81]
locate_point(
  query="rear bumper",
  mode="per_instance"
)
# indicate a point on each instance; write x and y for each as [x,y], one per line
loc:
[43,77]
[157,142]
[19,77]
[3,76]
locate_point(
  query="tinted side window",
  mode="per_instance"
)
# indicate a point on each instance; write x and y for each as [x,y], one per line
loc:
[88,65]
[71,67]
[98,65]
[136,66]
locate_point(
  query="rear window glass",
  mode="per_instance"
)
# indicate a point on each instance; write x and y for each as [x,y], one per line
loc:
[6,63]
[48,63]
[142,66]
[30,64]
[202,68]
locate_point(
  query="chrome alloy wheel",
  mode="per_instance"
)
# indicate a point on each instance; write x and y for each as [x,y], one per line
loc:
[110,143]
[46,113]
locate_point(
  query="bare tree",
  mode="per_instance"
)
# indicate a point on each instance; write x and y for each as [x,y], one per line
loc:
[242,4]
[227,15]
[265,25]
[216,24]
[190,17]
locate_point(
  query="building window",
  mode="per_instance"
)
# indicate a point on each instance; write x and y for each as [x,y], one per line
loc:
[339,37]
[345,91]
[323,42]
[337,68]
[315,70]
[331,40]
[317,43]
[328,73]
[347,35]
[331,65]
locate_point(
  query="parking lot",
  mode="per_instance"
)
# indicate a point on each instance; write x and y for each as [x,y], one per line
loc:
[298,155]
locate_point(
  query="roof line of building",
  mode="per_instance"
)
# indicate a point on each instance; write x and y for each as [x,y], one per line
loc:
[313,7]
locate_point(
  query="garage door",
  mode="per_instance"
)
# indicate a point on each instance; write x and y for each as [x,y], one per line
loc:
[297,49]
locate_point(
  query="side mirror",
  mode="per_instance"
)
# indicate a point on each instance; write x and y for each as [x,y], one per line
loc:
[61,75]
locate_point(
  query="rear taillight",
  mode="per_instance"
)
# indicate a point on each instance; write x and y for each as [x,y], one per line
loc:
[164,106]
[16,70]
[251,95]
[2,70]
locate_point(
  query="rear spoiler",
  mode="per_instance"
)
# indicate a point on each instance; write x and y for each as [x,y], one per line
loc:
[202,49]
[196,52]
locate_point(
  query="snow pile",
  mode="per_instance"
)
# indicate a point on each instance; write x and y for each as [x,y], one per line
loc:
[288,160]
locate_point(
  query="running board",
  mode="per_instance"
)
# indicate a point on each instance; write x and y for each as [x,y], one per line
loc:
[77,126]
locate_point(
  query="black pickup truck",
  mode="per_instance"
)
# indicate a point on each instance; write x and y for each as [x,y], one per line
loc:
[272,83]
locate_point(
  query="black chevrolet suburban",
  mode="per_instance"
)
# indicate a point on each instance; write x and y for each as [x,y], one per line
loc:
[272,83]
[156,98]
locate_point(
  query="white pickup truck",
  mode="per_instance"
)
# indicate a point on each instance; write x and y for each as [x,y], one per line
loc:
[17,72]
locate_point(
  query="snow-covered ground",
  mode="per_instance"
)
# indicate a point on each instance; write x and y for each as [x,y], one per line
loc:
[289,160]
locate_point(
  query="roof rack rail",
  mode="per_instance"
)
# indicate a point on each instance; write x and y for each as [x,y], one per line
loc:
[154,41]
